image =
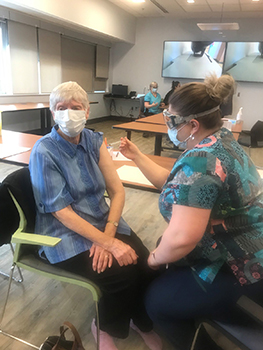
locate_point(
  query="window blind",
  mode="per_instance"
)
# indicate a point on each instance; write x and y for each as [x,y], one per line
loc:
[23,58]
[102,62]
[78,62]
[49,60]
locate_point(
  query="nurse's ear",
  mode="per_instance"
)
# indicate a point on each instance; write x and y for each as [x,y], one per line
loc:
[195,125]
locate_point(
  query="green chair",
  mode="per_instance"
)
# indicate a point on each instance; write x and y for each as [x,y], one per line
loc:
[25,257]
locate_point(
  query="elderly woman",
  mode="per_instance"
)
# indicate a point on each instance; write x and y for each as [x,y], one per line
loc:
[152,100]
[70,170]
[213,203]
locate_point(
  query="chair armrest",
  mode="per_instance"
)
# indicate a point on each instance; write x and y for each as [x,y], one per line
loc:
[34,239]
[251,308]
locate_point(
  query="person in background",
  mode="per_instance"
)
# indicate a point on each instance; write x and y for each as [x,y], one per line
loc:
[70,171]
[213,203]
[175,85]
[152,100]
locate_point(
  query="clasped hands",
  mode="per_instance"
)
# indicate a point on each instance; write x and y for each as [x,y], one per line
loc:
[103,258]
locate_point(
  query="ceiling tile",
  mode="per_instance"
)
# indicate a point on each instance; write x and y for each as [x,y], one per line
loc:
[200,9]
[226,8]
[221,2]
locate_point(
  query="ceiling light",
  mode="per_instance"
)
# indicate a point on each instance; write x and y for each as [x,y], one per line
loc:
[138,0]
[190,1]
[218,26]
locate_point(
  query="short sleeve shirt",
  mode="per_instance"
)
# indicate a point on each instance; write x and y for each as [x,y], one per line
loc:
[151,99]
[218,175]
[64,174]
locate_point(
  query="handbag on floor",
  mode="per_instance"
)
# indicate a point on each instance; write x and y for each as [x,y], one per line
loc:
[59,342]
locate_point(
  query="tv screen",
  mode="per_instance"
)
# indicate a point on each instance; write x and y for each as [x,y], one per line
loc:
[192,59]
[244,61]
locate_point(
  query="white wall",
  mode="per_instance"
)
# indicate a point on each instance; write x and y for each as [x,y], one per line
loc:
[137,65]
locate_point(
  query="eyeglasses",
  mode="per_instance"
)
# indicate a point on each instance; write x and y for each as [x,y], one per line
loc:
[171,120]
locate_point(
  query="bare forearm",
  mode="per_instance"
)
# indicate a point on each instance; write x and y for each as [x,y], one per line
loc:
[167,253]
[75,223]
[116,207]
[185,230]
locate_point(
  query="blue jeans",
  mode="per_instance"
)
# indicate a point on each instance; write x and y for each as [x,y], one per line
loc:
[175,300]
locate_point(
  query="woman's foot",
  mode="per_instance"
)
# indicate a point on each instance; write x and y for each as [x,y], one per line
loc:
[106,341]
[151,339]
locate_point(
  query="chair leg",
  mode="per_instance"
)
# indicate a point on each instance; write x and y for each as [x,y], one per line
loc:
[4,308]
[8,291]
[195,337]
[21,279]
[18,268]
[98,325]
[18,339]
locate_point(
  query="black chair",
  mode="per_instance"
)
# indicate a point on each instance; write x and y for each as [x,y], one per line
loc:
[252,138]
[141,108]
[245,329]
[9,222]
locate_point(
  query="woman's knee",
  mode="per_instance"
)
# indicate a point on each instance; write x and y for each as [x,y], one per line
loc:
[155,302]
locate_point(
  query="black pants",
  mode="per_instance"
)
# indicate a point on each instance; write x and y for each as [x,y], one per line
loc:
[122,288]
[175,300]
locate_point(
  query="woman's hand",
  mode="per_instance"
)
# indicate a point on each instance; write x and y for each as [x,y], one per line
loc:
[123,253]
[128,149]
[101,258]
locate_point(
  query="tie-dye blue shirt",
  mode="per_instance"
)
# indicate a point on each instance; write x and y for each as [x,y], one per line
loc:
[217,174]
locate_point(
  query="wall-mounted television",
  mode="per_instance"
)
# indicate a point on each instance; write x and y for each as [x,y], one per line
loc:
[244,61]
[192,59]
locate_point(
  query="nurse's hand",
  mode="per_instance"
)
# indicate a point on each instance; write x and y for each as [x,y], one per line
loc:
[128,149]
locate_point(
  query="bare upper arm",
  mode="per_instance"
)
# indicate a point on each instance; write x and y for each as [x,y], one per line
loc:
[188,224]
[106,165]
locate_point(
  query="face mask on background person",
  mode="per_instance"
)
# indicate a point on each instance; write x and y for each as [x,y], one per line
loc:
[154,89]
[172,133]
[70,121]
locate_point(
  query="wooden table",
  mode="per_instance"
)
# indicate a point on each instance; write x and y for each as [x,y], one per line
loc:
[43,108]
[236,127]
[15,138]
[157,129]
[165,162]
[153,119]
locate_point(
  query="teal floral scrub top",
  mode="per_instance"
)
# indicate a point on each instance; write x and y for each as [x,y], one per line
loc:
[217,174]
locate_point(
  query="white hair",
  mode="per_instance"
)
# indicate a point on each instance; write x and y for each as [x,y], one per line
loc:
[67,92]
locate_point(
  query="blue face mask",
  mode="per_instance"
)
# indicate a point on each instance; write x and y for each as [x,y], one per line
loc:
[154,89]
[172,133]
